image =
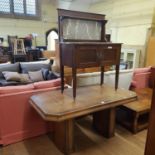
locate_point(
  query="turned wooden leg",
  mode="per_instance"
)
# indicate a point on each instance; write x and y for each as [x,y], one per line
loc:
[102,75]
[62,78]
[63,136]
[74,81]
[104,122]
[117,76]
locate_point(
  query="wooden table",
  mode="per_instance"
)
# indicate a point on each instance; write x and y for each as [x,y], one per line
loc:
[62,109]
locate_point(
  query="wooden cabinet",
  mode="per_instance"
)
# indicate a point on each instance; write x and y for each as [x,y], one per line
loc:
[84,55]
[131,57]
[4,58]
[83,44]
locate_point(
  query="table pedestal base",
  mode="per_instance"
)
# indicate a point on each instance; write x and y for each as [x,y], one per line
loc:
[63,136]
[104,122]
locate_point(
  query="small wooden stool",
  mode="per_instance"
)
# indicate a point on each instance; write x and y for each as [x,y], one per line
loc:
[134,115]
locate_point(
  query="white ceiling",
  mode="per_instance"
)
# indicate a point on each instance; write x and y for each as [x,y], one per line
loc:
[80,5]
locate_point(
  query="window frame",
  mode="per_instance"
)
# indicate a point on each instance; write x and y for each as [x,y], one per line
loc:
[25,16]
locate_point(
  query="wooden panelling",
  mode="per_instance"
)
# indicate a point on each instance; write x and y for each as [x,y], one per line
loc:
[150,57]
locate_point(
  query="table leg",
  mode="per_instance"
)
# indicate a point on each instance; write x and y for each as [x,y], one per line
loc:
[135,122]
[102,75]
[116,76]
[62,78]
[63,136]
[74,81]
[104,122]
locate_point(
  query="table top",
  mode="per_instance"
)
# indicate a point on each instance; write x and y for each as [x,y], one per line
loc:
[54,106]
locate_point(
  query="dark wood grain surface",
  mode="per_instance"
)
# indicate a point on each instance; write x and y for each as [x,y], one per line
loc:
[55,106]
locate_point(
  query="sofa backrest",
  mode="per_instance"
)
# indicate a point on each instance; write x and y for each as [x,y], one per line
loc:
[125,77]
[31,87]
[9,67]
[35,66]
[141,78]
[142,70]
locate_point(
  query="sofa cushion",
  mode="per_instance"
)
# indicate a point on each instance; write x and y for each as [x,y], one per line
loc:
[141,80]
[45,73]
[11,76]
[47,84]
[52,75]
[36,76]
[24,78]
[16,89]
[34,66]
[9,67]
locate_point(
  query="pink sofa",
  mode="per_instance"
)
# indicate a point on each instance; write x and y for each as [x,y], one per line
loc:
[141,78]
[18,120]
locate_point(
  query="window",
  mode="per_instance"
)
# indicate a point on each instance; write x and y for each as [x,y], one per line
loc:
[20,8]
[5,6]
[52,36]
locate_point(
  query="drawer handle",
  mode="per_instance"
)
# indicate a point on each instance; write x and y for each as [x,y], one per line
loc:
[109,47]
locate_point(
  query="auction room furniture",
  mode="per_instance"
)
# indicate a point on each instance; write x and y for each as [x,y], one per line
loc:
[3,58]
[62,109]
[83,44]
[134,115]
[33,54]
[131,56]
[20,121]
[11,42]
[19,53]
